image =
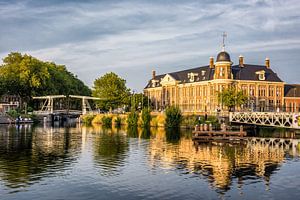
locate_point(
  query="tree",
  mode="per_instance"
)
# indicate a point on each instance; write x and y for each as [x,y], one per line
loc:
[26,76]
[230,97]
[112,89]
[173,117]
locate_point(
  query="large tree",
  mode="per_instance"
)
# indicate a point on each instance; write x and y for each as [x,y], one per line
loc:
[113,91]
[26,76]
[231,98]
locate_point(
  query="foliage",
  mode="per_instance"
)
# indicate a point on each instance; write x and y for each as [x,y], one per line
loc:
[138,101]
[98,119]
[212,119]
[26,76]
[112,89]
[107,121]
[189,120]
[230,97]
[118,121]
[158,120]
[132,119]
[173,117]
[146,117]
[13,113]
[87,119]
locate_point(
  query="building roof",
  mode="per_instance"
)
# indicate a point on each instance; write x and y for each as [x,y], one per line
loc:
[292,90]
[223,56]
[205,73]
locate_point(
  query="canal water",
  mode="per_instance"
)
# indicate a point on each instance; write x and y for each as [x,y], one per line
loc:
[78,162]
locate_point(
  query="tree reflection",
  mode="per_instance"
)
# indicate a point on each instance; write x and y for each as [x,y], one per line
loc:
[110,152]
[145,133]
[28,155]
[132,131]
[173,135]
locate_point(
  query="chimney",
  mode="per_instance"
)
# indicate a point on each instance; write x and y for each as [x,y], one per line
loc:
[268,63]
[241,61]
[153,74]
[211,62]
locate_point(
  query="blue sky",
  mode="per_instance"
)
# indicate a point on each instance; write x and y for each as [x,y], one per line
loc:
[132,38]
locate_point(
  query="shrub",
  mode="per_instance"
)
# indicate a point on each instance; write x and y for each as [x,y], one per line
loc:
[146,117]
[190,120]
[132,119]
[97,119]
[13,113]
[118,121]
[173,117]
[87,119]
[106,121]
[212,119]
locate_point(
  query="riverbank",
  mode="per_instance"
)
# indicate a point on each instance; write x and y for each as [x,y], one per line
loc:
[157,119]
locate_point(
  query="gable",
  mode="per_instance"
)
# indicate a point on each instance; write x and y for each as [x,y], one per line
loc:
[168,80]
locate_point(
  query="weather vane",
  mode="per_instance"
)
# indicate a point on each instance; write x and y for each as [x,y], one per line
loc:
[224,35]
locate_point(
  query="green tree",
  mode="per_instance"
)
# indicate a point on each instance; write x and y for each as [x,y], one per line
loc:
[112,89]
[22,75]
[26,76]
[173,117]
[231,98]
[139,101]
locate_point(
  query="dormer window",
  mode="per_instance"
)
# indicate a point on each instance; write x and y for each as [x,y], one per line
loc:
[191,76]
[154,83]
[261,75]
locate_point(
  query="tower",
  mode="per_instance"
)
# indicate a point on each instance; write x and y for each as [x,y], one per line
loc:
[223,63]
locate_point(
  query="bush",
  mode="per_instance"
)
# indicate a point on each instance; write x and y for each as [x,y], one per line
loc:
[190,120]
[212,119]
[118,121]
[146,117]
[13,113]
[87,119]
[106,121]
[173,117]
[132,119]
[98,119]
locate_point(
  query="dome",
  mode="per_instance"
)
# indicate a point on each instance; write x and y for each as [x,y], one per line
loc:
[223,56]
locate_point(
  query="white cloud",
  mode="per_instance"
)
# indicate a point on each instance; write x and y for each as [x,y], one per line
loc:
[92,38]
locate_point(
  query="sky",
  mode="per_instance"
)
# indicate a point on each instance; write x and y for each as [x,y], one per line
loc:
[132,38]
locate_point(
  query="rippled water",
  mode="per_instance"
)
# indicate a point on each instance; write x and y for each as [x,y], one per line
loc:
[94,163]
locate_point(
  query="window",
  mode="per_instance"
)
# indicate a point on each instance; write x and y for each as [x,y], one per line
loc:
[261,75]
[191,76]
[221,71]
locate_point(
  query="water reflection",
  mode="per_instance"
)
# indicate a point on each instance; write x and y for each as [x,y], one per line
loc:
[110,149]
[143,163]
[220,163]
[29,154]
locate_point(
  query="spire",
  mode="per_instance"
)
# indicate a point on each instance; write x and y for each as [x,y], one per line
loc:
[224,35]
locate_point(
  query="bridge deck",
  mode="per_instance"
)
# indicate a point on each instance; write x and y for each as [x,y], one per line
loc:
[275,119]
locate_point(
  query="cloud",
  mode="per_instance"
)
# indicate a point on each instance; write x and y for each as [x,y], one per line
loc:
[93,37]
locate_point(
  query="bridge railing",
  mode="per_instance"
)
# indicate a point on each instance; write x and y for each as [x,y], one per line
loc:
[276,119]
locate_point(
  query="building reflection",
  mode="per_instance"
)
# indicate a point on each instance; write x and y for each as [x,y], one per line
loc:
[220,163]
[29,154]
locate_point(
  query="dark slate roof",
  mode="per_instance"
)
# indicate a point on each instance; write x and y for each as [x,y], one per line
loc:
[292,90]
[247,72]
